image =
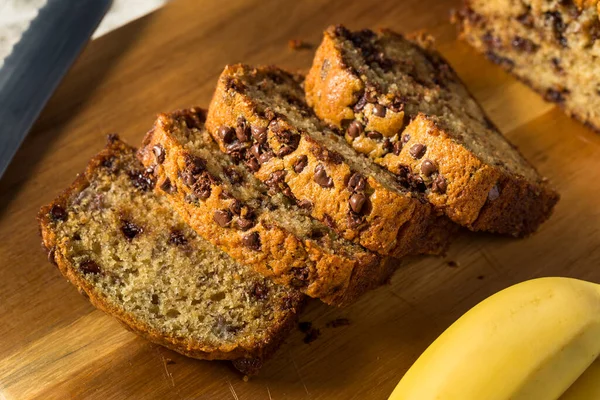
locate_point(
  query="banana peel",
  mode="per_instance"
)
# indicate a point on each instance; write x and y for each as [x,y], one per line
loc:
[531,341]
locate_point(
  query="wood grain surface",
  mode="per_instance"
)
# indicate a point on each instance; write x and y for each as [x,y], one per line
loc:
[53,344]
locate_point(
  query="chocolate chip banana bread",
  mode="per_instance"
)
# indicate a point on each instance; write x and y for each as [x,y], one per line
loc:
[126,250]
[552,45]
[231,208]
[400,103]
[260,118]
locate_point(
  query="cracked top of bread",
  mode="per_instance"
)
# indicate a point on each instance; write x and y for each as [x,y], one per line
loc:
[253,222]
[313,165]
[400,103]
[134,258]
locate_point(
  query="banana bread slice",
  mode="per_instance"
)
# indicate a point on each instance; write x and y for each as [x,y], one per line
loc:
[290,150]
[126,250]
[231,208]
[552,46]
[401,104]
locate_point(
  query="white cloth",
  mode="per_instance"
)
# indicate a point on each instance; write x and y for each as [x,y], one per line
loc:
[15,16]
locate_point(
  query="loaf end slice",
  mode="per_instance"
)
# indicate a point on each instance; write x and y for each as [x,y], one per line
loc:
[129,253]
[313,165]
[401,104]
[251,221]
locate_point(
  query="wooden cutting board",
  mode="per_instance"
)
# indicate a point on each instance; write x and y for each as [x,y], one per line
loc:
[53,344]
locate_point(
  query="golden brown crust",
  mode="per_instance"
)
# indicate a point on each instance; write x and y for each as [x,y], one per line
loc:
[396,222]
[307,264]
[237,352]
[469,197]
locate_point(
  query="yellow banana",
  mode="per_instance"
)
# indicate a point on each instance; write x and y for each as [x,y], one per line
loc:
[587,386]
[528,342]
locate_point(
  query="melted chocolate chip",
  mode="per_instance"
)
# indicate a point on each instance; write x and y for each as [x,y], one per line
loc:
[360,104]
[328,220]
[242,130]
[494,193]
[222,218]
[159,153]
[428,167]
[226,133]
[260,291]
[130,230]
[177,238]
[167,187]
[379,110]
[285,150]
[524,45]
[233,175]
[357,200]
[252,241]
[374,135]
[357,182]
[439,185]
[259,134]
[397,148]
[321,177]
[253,164]
[327,155]
[355,221]
[142,180]
[300,164]
[417,150]
[235,207]
[244,224]
[266,156]
[58,213]
[355,129]
[194,164]
[305,204]
[90,267]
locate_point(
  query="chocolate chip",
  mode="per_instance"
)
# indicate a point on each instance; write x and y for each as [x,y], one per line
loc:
[371,94]
[253,164]
[252,241]
[242,130]
[498,59]
[142,180]
[259,291]
[202,188]
[556,96]
[328,220]
[357,182]
[379,110]
[236,150]
[418,184]
[428,167]
[154,299]
[417,150]
[524,45]
[256,151]
[177,238]
[321,177]
[167,187]
[327,155]
[235,207]
[90,267]
[226,133]
[374,135]
[266,156]
[355,221]
[285,150]
[357,200]
[305,204]
[397,104]
[130,230]
[355,129]
[439,185]
[491,41]
[360,104]
[300,164]
[222,218]
[526,19]
[233,175]
[556,65]
[245,223]
[58,213]
[494,193]
[405,138]
[194,164]
[397,148]
[259,134]
[159,153]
